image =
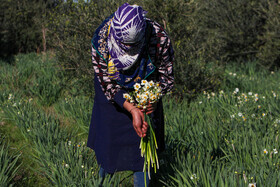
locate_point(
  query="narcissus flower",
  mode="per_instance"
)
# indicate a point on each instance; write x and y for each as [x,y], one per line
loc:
[151,83]
[252,185]
[10,96]
[137,86]
[126,96]
[193,176]
[143,82]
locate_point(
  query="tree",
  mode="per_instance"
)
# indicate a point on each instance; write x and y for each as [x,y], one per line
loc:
[23,25]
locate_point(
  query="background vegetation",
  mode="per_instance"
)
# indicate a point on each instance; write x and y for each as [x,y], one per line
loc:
[228,137]
[205,35]
[223,131]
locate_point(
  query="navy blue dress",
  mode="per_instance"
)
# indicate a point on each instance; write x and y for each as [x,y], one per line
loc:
[112,136]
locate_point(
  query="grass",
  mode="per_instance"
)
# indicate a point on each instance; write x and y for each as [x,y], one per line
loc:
[224,138]
[8,163]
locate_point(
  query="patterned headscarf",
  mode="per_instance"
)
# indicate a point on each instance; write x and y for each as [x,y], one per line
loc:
[126,36]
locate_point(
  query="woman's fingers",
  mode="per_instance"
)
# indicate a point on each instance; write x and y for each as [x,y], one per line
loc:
[144,127]
[139,123]
[150,108]
[143,131]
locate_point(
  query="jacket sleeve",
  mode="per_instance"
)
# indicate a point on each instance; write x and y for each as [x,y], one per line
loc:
[166,75]
[112,91]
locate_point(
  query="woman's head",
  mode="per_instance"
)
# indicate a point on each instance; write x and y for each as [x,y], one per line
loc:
[127,35]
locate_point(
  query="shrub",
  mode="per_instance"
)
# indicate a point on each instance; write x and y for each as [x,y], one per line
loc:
[193,73]
[269,52]
[22,27]
[230,29]
[203,33]
[71,28]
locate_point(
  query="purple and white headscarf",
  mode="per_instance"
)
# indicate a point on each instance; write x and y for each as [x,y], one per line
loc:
[127,27]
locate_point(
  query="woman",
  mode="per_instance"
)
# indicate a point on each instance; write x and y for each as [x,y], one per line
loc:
[127,48]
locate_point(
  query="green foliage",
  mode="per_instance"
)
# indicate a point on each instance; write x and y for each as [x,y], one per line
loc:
[269,52]
[243,75]
[220,139]
[35,77]
[177,18]
[227,137]
[59,158]
[193,73]
[203,33]
[196,76]
[23,25]
[57,152]
[77,109]
[8,163]
[229,29]
[71,28]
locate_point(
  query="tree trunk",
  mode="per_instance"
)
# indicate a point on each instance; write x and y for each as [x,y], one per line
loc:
[44,39]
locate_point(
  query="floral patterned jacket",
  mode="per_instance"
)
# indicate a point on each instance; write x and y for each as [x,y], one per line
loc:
[160,52]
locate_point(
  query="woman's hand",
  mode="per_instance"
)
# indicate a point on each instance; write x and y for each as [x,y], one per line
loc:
[150,108]
[139,123]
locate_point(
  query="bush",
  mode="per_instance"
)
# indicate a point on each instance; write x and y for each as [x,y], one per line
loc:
[193,73]
[71,28]
[229,29]
[22,28]
[269,52]
[203,33]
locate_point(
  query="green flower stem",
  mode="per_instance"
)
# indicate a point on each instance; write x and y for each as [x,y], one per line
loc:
[148,146]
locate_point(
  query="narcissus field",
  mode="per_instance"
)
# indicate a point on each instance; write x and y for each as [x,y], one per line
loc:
[228,137]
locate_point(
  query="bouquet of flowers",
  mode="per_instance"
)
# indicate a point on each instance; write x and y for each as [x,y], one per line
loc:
[144,94]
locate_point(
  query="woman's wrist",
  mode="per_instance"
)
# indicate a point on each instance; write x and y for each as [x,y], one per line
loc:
[130,111]
[129,107]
